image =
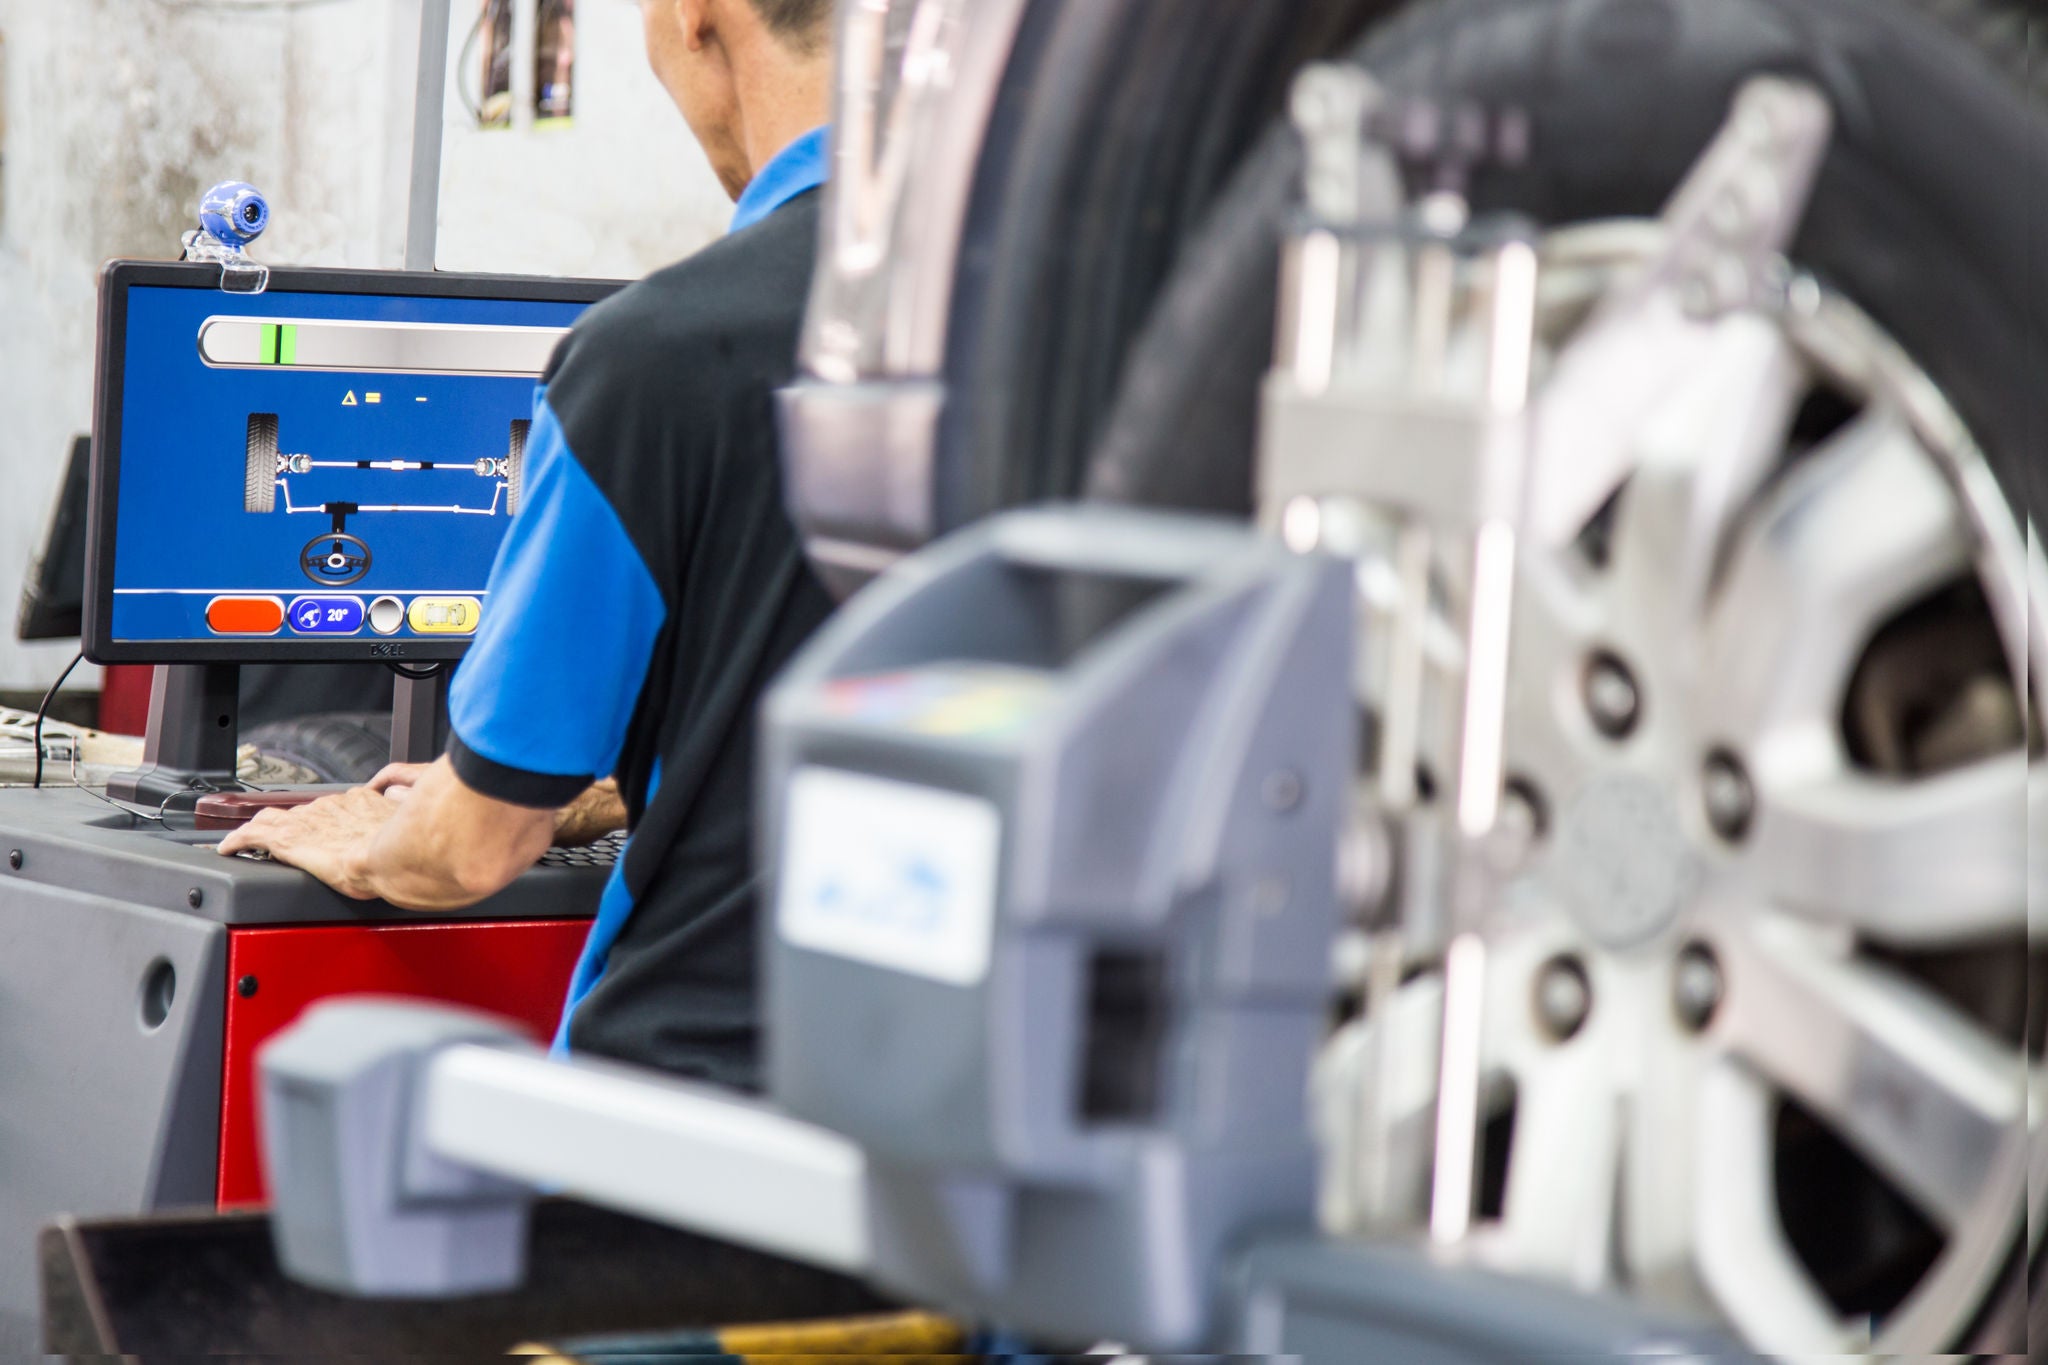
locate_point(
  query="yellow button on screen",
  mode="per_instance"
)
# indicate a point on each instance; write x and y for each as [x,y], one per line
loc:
[444,615]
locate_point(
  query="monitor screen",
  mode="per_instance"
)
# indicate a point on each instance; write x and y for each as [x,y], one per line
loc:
[323,471]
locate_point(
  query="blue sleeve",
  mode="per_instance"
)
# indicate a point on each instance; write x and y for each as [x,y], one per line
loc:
[541,704]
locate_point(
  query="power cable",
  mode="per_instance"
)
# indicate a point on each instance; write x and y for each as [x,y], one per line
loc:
[44,710]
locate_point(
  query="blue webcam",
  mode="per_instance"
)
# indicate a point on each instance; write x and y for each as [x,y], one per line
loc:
[234,214]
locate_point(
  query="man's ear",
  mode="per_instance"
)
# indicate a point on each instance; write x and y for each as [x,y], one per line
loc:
[693,19]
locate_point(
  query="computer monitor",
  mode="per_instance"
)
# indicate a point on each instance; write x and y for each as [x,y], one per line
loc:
[321,472]
[53,591]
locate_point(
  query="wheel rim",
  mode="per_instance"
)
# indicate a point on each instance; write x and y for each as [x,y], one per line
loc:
[1743,894]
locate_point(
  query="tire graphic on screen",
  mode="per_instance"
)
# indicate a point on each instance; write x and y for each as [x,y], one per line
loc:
[515,467]
[259,486]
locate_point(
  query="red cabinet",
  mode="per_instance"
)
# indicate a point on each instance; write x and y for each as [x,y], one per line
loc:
[516,969]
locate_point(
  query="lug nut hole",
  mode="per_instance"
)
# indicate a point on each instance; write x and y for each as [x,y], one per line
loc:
[1727,795]
[1614,700]
[1697,986]
[1564,998]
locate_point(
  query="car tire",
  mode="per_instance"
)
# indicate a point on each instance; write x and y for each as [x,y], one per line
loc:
[259,480]
[515,467]
[1918,216]
[344,747]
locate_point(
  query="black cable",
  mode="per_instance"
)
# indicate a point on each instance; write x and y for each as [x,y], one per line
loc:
[122,807]
[44,710]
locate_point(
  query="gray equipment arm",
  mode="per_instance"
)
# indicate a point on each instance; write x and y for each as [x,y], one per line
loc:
[404,1142]
[362,1205]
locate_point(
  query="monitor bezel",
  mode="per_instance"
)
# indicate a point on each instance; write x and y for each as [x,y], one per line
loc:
[104,481]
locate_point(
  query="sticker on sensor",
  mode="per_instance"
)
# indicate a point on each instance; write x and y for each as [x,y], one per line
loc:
[890,874]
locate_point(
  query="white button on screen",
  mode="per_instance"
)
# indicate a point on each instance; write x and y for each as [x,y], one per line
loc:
[387,614]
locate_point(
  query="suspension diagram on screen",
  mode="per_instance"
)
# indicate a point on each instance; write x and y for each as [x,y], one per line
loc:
[338,557]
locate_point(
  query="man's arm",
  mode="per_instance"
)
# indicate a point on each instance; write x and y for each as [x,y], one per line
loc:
[433,845]
[599,811]
[591,816]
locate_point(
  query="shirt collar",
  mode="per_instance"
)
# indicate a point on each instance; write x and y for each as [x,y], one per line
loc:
[790,172]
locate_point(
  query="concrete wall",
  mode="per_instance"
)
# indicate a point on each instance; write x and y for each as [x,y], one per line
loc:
[116,114]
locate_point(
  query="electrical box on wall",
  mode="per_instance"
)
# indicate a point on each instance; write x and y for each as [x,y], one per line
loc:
[522,56]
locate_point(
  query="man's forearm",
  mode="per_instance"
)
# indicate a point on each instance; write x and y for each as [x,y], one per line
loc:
[406,868]
[448,848]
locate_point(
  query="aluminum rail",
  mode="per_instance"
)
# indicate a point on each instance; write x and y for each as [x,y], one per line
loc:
[412,134]
[667,1150]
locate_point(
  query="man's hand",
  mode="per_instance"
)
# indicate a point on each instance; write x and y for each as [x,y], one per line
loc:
[398,779]
[327,838]
[416,837]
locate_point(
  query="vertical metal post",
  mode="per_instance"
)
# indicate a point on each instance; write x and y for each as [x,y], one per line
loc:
[409,223]
[1482,719]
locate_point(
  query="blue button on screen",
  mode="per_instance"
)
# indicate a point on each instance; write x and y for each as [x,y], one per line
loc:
[326,615]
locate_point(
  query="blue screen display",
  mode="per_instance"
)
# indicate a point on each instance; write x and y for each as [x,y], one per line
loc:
[298,467]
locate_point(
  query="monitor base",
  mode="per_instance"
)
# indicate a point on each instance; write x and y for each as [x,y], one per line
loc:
[170,791]
[189,750]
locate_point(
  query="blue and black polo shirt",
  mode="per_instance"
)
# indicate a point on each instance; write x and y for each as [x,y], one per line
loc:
[647,592]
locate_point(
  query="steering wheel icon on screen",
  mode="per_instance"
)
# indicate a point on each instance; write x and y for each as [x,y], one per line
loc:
[335,559]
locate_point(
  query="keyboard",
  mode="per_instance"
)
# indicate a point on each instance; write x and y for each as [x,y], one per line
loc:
[603,853]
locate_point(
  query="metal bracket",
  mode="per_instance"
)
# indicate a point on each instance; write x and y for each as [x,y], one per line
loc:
[1401,392]
[240,273]
[1727,227]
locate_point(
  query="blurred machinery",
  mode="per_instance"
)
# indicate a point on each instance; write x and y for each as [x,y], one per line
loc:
[1605,680]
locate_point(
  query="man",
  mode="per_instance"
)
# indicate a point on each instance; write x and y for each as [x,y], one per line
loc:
[649,589]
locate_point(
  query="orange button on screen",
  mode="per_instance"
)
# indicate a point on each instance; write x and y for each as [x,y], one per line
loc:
[245,615]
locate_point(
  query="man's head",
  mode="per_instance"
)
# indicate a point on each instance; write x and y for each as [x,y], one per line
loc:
[750,76]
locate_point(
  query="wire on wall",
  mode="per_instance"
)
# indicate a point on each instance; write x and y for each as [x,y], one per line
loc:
[487,14]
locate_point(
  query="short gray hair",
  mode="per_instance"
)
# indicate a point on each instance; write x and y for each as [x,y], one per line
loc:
[803,24]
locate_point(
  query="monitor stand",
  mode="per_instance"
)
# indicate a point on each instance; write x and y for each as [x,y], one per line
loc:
[189,749]
[416,716]
[194,714]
